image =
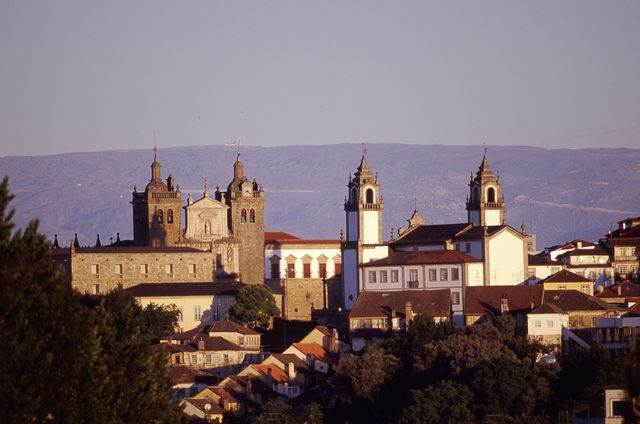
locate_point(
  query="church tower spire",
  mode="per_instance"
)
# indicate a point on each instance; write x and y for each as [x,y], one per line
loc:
[485,203]
[363,207]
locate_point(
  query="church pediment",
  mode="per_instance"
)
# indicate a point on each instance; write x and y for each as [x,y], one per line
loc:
[207,203]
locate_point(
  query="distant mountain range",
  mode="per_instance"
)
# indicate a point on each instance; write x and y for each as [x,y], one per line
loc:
[560,194]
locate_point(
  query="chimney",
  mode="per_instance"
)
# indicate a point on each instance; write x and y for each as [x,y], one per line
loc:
[579,245]
[291,370]
[333,343]
[408,314]
[619,289]
[504,304]
[201,345]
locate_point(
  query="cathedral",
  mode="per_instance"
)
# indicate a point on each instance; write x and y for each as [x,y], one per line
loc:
[488,252]
[222,238]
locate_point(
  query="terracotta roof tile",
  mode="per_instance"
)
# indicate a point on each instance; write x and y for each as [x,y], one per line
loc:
[372,304]
[565,276]
[547,308]
[278,375]
[424,257]
[574,300]
[315,350]
[185,289]
[182,374]
[627,289]
[487,300]
[230,327]
[278,235]
[541,260]
[427,233]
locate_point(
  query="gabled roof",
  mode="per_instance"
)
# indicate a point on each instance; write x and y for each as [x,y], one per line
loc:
[230,327]
[564,276]
[185,289]
[286,358]
[573,244]
[215,344]
[173,348]
[487,300]
[423,257]
[182,374]
[316,350]
[200,403]
[475,233]
[633,232]
[278,375]
[429,233]
[378,304]
[626,289]
[225,393]
[547,308]
[574,300]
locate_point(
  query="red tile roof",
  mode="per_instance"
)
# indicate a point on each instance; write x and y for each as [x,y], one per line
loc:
[574,300]
[430,233]
[200,403]
[423,257]
[278,235]
[315,350]
[278,375]
[487,300]
[627,289]
[373,304]
[182,374]
[215,344]
[547,308]
[230,327]
[185,289]
[564,276]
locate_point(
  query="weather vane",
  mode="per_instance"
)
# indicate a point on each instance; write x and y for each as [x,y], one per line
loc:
[364,150]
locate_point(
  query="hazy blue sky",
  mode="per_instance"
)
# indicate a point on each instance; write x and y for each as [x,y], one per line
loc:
[101,75]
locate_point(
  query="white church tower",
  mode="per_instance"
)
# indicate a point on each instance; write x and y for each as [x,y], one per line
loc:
[485,203]
[363,242]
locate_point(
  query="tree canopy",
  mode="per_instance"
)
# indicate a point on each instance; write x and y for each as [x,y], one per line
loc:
[71,358]
[255,307]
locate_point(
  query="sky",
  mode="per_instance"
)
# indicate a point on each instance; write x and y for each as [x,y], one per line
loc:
[111,75]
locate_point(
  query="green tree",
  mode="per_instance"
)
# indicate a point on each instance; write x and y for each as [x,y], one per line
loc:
[445,402]
[158,321]
[70,360]
[255,307]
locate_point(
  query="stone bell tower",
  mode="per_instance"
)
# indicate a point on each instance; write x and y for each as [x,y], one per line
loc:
[246,223]
[157,210]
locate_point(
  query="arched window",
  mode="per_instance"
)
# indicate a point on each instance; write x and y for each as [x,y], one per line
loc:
[252,216]
[491,195]
[369,195]
[244,215]
[170,216]
[160,216]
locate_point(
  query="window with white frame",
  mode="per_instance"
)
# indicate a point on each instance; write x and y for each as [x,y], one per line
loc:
[192,268]
[550,324]
[95,289]
[538,324]
[585,289]
[372,276]
[95,269]
[455,274]
[118,269]
[444,274]
[197,313]
[383,276]
[215,311]
[455,298]
[144,269]
[413,275]
[433,275]
[394,276]
[180,317]
[168,269]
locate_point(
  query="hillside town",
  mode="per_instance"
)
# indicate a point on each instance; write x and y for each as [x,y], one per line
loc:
[349,292]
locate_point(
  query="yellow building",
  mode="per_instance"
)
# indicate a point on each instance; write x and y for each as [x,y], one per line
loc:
[567,280]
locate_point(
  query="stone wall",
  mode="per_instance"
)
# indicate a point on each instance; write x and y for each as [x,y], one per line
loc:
[301,296]
[101,272]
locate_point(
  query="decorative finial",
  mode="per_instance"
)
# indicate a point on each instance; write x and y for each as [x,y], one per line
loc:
[415,204]
[341,234]
[364,150]
[206,192]
[117,237]
[135,188]
[485,147]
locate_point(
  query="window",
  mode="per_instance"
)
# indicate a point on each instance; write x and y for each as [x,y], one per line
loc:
[455,274]
[192,268]
[243,215]
[291,270]
[194,358]
[168,269]
[252,215]
[225,358]
[197,313]
[322,270]
[433,275]
[455,298]
[215,311]
[531,273]
[160,216]
[394,276]
[118,269]
[467,247]
[306,270]
[538,324]
[207,358]
[369,196]
[562,287]
[275,268]
[180,317]
[491,195]
[550,324]
[144,269]
[372,276]
[169,216]
[383,276]
[337,268]
[413,275]
[95,269]
[585,289]
[95,289]
[444,275]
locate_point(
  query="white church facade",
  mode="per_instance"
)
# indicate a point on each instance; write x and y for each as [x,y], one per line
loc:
[492,252]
